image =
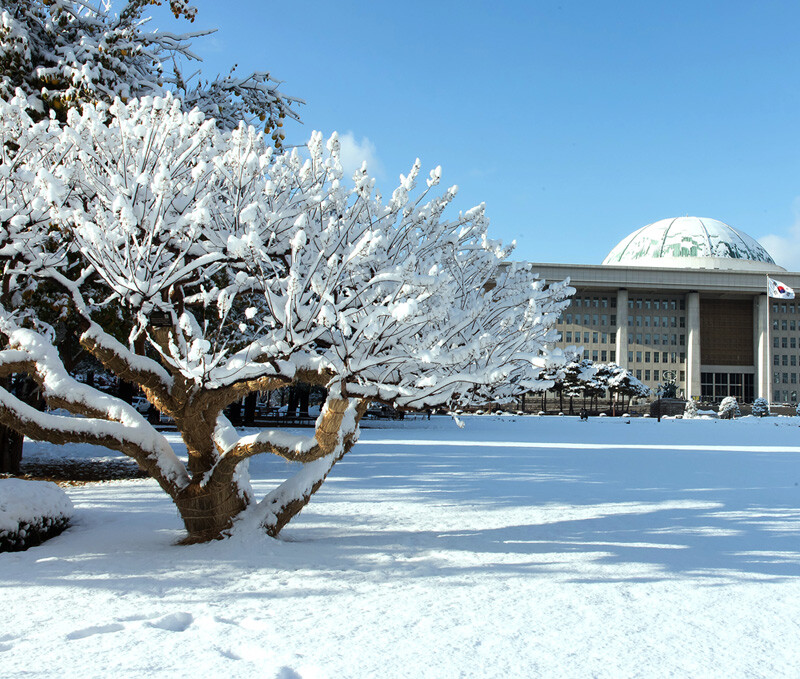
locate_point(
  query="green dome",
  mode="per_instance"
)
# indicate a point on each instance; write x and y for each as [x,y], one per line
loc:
[691,243]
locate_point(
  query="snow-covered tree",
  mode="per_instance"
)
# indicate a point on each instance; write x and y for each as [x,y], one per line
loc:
[690,410]
[760,407]
[63,53]
[204,266]
[624,383]
[729,408]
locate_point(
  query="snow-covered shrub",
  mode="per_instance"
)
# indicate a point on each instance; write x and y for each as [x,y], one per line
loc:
[603,415]
[30,513]
[729,408]
[690,411]
[760,407]
[797,409]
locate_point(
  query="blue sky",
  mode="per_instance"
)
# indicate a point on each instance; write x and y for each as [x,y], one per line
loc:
[575,122]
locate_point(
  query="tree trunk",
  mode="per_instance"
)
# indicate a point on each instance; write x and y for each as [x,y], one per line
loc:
[207,511]
[10,450]
[250,409]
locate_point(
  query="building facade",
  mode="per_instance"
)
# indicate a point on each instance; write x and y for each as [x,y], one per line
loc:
[686,299]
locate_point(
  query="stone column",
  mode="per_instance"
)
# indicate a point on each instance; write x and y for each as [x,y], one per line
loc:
[622,328]
[693,345]
[762,338]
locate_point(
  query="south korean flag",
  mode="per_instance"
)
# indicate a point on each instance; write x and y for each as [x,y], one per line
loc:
[779,290]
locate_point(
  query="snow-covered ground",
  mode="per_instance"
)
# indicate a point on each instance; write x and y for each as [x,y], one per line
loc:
[516,547]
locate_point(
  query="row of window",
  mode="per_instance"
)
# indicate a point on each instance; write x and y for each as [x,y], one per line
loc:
[657,321]
[596,302]
[656,356]
[596,337]
[784,324]
[784,378]
[784,359]
[588,319]
[784,342]
[655,339]
[657,304]
[784,308]
[657,375]
[603,356]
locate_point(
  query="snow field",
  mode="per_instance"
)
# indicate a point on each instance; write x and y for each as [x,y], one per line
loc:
[517,547]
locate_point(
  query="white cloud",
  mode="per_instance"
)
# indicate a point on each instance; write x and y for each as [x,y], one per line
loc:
[354,153]
[785,247]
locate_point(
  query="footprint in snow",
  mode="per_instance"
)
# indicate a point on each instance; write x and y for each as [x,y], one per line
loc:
[95,629]
[174,622]
[287,673]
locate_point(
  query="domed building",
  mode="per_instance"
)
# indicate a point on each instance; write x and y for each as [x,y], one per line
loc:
[686,299]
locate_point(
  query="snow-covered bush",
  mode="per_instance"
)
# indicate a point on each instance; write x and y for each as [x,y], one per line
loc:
[729,408]
[690,410]
[797,409]
[202,266]
[760,407]
[30,513]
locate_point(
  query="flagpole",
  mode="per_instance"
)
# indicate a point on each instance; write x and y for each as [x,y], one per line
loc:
[769,349]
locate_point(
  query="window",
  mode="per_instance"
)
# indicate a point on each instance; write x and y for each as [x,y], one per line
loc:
[604,319]
[630,304]
[793,342]
[774,325]
[568,319]
[775,343]
[776,360]
[792,325]
[682,321]
[595,302]
[586,338]
[655,375]
[664,339]
[604,355]
[784,325]
[785,378]
[604,302]
[664,356]
[577,301]
[595,319]
[638,356]
[613,338]
[674,357]
[647,321]
[683,357]
[638,304]
[638,374]
[655,357]
[793,378]
[656,321]
[665,321]
[682,377]
[638,321]
[785,359]
[594,338]
[630,321]
[613,356]
[594,355]
[683,340]
[656,339]
[604,338]
[775,307]
[783,308]
[647,304]
[613,302]
[586,319]
[630,357]
[674,340]
[673,321]
[656,305]
[613,319]
[784,342]
[647,338]
[647,375]
[793,359]
[682,305]
[647,357]
[630,338]
[568,336]
[638,338]
[672,305]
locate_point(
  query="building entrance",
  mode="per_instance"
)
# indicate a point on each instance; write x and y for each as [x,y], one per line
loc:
[717,385]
